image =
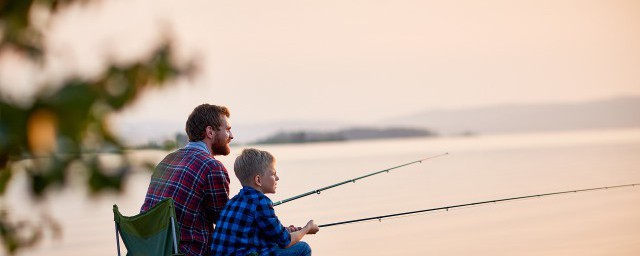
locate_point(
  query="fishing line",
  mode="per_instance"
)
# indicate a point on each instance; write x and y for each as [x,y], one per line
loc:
[447,208]
[317,191]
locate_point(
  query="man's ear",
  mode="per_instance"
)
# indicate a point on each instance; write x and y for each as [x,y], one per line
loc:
[209,132]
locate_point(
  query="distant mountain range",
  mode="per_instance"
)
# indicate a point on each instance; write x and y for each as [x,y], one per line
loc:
[612,113]
[621,112]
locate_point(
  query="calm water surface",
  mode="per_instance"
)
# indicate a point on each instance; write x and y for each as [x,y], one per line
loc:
[477,169]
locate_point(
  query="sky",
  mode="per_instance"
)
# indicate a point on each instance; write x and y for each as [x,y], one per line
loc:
[354,61]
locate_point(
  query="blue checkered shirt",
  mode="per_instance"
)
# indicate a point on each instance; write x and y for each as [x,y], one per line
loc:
[248,224]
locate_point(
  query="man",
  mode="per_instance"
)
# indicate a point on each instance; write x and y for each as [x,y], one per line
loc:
[197,182]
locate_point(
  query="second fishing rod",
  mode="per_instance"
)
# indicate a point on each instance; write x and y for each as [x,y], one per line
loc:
[317,191]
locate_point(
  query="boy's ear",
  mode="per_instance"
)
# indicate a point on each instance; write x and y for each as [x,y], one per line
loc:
[256,180]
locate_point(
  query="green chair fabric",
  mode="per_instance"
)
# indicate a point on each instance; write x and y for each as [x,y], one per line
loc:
[152,233]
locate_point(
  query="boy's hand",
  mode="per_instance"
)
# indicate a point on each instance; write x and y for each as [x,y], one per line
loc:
[296,236]
[293,228]
[311,227]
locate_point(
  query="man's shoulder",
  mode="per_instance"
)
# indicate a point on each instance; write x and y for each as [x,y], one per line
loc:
[196,162]
[198,156]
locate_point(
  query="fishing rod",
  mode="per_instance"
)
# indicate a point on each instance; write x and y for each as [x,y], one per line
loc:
[446,208]
[317,191]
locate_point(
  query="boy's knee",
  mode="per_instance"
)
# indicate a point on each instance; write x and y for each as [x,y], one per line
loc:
[304,248]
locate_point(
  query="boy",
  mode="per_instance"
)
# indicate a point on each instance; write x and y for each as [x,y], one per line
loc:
[248,224]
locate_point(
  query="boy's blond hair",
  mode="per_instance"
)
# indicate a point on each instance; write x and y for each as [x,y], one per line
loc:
[252,162]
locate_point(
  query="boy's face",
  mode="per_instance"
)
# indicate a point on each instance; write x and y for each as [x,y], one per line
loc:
[269,180]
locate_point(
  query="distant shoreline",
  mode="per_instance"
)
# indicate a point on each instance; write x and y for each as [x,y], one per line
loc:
[362,133]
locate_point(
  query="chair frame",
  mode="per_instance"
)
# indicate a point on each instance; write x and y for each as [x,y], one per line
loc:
[173,234]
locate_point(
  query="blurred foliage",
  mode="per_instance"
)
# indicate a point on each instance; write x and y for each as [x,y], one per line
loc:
[64,128]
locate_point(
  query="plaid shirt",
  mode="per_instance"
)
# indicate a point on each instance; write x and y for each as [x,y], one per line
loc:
[199,186]
[248,224]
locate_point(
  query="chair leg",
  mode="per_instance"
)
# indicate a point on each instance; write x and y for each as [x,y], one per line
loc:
[117,239]
[173,232]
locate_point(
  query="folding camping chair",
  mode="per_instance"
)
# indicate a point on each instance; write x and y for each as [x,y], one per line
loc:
[150,233]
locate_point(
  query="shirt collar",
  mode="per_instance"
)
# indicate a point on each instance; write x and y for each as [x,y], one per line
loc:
[199,145]
[251,192]
[248,189]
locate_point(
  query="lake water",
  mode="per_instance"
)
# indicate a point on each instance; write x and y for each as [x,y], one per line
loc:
[477,169]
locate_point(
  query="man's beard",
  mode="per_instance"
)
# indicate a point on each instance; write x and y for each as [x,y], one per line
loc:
[221,148]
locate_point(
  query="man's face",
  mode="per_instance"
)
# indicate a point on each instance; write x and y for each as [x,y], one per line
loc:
[222,138]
